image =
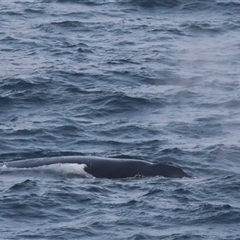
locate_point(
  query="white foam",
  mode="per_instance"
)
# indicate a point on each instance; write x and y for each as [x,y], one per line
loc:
[66,169]
[58,168]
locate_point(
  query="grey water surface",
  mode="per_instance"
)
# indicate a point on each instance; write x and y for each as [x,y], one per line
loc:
[144,79]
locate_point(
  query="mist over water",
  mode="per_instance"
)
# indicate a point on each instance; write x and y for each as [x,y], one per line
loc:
[153,80]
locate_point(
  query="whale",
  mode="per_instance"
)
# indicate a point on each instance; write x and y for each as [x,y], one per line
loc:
[100,167]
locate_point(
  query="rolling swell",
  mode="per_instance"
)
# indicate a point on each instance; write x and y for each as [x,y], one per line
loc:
[152,80]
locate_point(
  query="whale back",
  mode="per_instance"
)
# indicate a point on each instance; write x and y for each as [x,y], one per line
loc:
[169,171]
[106,167]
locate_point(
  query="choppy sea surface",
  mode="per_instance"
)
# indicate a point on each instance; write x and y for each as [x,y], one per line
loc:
[147,79]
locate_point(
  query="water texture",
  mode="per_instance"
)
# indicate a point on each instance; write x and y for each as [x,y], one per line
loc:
[147,79]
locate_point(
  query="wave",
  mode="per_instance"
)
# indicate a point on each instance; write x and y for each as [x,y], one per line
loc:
[227,6]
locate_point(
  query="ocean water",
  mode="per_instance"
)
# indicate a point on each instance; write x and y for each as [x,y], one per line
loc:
[147,79]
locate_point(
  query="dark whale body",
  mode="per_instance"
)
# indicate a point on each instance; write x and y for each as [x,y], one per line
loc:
[106,167]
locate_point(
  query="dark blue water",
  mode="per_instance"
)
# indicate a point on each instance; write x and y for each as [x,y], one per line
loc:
[146,79]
